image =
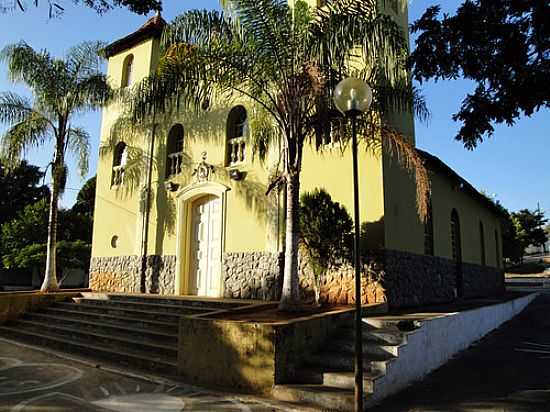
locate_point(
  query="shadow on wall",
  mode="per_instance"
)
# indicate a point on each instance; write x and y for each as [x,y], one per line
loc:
[240,356]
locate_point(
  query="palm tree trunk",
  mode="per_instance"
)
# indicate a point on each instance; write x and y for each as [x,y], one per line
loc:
[290,297]
[50,279]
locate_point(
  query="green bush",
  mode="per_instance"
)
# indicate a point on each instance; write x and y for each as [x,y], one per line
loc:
[324,227]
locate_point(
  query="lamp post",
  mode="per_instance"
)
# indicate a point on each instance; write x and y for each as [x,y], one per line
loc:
[353,97]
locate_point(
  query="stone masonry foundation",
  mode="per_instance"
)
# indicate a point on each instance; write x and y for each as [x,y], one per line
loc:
[123,274]
[399,278]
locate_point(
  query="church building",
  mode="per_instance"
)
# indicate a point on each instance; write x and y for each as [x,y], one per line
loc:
[210,230]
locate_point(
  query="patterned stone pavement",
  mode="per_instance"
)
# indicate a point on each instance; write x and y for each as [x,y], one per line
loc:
[32,380]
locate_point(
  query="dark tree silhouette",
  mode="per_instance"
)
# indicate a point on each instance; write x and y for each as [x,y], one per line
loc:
[502,45]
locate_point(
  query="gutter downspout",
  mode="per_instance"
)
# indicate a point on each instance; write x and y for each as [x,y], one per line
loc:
[146,215]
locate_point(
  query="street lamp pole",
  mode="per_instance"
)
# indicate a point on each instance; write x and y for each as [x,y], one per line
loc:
[353,97]
[357,264]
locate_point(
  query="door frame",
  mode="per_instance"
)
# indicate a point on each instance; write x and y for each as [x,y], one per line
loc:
[184,200]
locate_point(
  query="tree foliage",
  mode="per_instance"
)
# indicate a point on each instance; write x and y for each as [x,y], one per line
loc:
[501,45]
[20,187]
[23,238]
[529,227]
[61,89]
[324,227]
[57,7]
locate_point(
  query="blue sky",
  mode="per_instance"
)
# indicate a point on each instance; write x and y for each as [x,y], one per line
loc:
[513,165]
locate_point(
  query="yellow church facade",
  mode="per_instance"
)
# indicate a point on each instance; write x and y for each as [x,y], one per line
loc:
[209,229]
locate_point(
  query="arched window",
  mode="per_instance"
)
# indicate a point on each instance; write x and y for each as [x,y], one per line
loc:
[237,129]
[497,246]
[127,68]
[429,232]
[120,157]
[456,246]
[482,243]
[174,151]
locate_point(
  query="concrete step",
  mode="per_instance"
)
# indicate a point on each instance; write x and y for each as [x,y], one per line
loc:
[117,339]
[343,379]
[155,307]
[124,356]
[215,304]
[346,380]
[343,360]
[121,311]
[394,322]
[74,312]
[385,336]
[382,336]
[333,399]
[98,325]
[370,347]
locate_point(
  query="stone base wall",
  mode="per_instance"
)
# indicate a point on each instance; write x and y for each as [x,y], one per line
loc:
[252,275]
[258,275]
[414,280]
[123,274]
[338,284]
[481,281]
[399,278]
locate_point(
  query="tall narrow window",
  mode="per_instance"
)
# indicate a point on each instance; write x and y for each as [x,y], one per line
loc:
[497,246]
[429,232]
[456,246]
[127,69]
[119,162]
[237,125]
[482,243]
[174,151]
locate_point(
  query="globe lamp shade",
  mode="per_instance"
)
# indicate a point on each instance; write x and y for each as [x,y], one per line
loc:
[352,96]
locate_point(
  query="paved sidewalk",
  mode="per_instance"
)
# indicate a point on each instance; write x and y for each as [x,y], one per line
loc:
[507,371]
[31,380]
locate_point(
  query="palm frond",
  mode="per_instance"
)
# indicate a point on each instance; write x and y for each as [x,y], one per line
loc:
[14,108]
[31,131]
[78,142]
[83,60]
[89,93]
[403,151]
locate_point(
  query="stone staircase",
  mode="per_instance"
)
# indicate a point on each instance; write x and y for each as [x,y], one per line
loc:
[327,378]
[131,330]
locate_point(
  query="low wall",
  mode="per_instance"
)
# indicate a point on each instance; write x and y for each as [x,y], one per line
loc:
[441,338]
[14,304]
[253,356]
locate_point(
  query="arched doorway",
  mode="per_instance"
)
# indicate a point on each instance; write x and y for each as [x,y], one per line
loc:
[200,239]
[456,246]
[205,247]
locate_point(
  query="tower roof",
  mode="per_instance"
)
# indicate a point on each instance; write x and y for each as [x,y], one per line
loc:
[152,28]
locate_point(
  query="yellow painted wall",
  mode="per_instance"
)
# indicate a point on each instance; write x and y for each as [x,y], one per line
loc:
[247,205]
[331,169]
[117,210]
[447,196]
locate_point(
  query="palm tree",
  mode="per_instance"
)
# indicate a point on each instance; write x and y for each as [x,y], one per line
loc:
[287,60]
[60,89]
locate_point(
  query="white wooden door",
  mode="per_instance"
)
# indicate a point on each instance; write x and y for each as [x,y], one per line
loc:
[205,267]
